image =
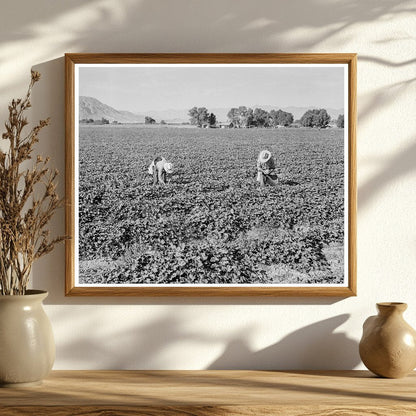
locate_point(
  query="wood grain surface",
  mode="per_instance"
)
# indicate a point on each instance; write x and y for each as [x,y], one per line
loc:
[203,393]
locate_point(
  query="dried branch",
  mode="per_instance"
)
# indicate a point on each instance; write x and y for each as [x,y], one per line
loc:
[23,218]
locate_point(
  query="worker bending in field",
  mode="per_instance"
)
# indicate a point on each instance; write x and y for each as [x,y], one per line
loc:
[266,169]
[159,168]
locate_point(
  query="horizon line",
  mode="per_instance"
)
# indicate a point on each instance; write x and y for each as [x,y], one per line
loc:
[215,107]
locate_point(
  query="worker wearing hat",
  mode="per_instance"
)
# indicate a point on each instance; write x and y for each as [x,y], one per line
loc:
[159,168]
[266,169]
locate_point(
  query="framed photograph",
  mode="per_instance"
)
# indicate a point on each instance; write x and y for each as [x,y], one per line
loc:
[211,174]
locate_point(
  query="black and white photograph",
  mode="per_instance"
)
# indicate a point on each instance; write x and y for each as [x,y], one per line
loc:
[211,175]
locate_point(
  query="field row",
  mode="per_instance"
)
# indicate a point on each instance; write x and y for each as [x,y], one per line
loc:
[211,223]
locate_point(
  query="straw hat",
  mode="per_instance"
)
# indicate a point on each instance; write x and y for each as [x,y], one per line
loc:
[264,156]
[168,167]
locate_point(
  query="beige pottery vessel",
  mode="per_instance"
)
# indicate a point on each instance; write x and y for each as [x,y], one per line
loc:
[27,347]
[388,345]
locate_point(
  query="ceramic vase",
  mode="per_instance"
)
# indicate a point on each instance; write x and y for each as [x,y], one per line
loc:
[388,345]
[27,347]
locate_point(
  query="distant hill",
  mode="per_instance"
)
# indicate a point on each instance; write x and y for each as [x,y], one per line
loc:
[90,107]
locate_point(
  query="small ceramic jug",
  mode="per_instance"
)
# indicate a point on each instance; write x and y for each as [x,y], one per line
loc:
[388,344]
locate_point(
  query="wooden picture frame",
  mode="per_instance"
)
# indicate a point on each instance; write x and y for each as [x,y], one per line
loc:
[345,190]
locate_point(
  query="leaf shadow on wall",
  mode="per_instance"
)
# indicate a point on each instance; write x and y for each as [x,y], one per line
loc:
[403,162]
[140,347]
[394,168]
[315,346]
[189,26]
[151,23]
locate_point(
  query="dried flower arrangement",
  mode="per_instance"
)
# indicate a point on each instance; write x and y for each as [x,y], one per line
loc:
[28,199]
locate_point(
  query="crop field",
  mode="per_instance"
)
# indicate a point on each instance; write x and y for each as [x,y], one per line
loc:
[212,223]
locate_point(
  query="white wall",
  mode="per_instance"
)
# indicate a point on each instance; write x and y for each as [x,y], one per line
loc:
[199,333]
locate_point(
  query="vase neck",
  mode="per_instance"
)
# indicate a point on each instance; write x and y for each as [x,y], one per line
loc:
[390,308]
[35,296]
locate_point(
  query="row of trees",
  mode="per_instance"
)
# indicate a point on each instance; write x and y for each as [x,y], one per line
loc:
[315,118]
[241,117]
[320,118]
[199,116]
[247,117]
[92,121]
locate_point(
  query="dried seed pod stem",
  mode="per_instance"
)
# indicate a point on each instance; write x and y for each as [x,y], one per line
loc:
[24,217]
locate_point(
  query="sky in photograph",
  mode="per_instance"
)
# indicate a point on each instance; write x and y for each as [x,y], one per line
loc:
[139,88]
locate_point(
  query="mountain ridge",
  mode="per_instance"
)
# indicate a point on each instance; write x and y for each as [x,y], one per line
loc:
[92,108]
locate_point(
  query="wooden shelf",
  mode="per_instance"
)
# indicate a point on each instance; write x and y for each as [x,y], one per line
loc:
[203,393]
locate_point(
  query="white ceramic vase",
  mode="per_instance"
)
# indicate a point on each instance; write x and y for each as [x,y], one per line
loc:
[27,347]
